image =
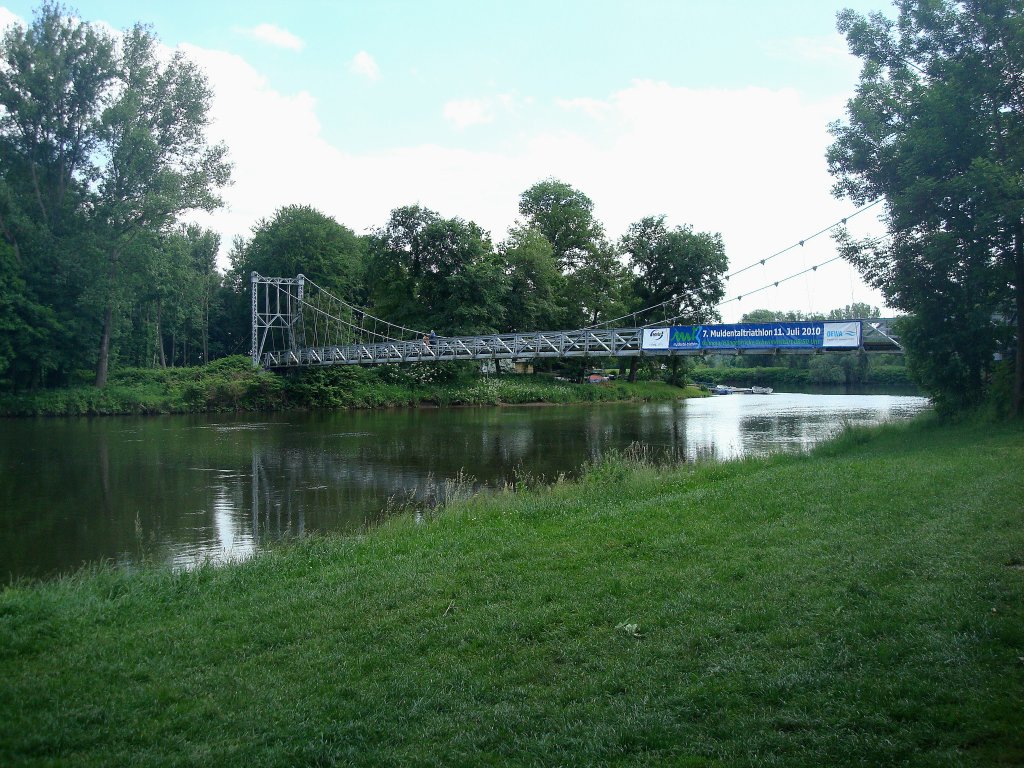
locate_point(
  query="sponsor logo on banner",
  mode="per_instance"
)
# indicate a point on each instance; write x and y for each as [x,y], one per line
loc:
[656,338]
[685,337]
[842,335]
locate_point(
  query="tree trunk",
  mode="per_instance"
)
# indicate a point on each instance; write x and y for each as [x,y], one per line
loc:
[1018,374]
[101,369]
[160,334]
[633,363]
[206,322]
[103,366]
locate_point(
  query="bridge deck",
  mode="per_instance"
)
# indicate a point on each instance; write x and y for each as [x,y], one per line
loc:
[618,342]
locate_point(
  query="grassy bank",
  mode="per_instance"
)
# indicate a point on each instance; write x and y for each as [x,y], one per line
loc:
[232,384]
[859,606]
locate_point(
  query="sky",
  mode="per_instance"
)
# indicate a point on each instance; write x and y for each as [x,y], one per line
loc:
[714,114]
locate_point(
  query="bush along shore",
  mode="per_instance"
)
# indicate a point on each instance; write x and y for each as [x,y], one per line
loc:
[884,378]
[860,605]
[232,384]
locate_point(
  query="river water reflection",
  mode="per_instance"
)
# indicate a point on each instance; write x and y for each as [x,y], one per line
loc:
[183,489]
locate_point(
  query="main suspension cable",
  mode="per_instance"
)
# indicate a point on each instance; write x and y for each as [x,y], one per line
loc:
[760,262]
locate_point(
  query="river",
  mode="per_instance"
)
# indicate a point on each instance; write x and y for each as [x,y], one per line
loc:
[184,489]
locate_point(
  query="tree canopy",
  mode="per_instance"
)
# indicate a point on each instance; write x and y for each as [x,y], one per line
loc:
[937,129]
[678,267]
[565,216]
[428,272]
[102,148]
[299,239]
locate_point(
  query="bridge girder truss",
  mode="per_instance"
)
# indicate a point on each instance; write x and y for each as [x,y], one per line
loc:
[277,315]
[618,342]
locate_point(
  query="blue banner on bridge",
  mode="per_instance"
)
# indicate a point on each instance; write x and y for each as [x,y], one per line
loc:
[740,336]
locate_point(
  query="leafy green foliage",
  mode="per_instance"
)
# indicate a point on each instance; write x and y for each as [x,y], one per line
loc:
[535,283]
[937,130]
[594,284]
[427,272]
[565,216]
[232,384]
[53,77]
[103,147]
[299,239]
[679,267]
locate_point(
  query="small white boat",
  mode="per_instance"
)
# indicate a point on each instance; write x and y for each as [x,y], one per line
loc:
[761,390]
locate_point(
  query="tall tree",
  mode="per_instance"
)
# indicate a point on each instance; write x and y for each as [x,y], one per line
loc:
[565,216]
[597,289]
[54,81]
[937,129]
[154,162]
[55,74]
[395,264]
[180,290]
[594,278]
[678,267]
[299,239]
[103,147]
[534,282]
[426,271]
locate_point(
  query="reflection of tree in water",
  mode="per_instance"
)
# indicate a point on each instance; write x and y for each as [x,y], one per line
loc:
[659,430]
[294,491]
[798,430]
[779,430]
[355,480]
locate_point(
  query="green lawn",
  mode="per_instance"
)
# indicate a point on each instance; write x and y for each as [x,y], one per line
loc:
[860,606]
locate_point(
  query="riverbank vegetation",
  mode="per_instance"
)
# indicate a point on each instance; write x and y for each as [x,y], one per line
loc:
[861,604]
[818,371]
[233,384]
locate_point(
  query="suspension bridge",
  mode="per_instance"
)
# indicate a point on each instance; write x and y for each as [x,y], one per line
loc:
[296,323]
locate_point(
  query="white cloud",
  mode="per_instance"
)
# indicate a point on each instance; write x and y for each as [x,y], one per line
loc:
[593,108]
[7,18]
[826,48]
[829,51]
[748,163]
[275,36]
[467,112]
[364,64]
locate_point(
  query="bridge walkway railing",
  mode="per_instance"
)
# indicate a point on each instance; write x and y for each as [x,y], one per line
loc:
[615,342]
